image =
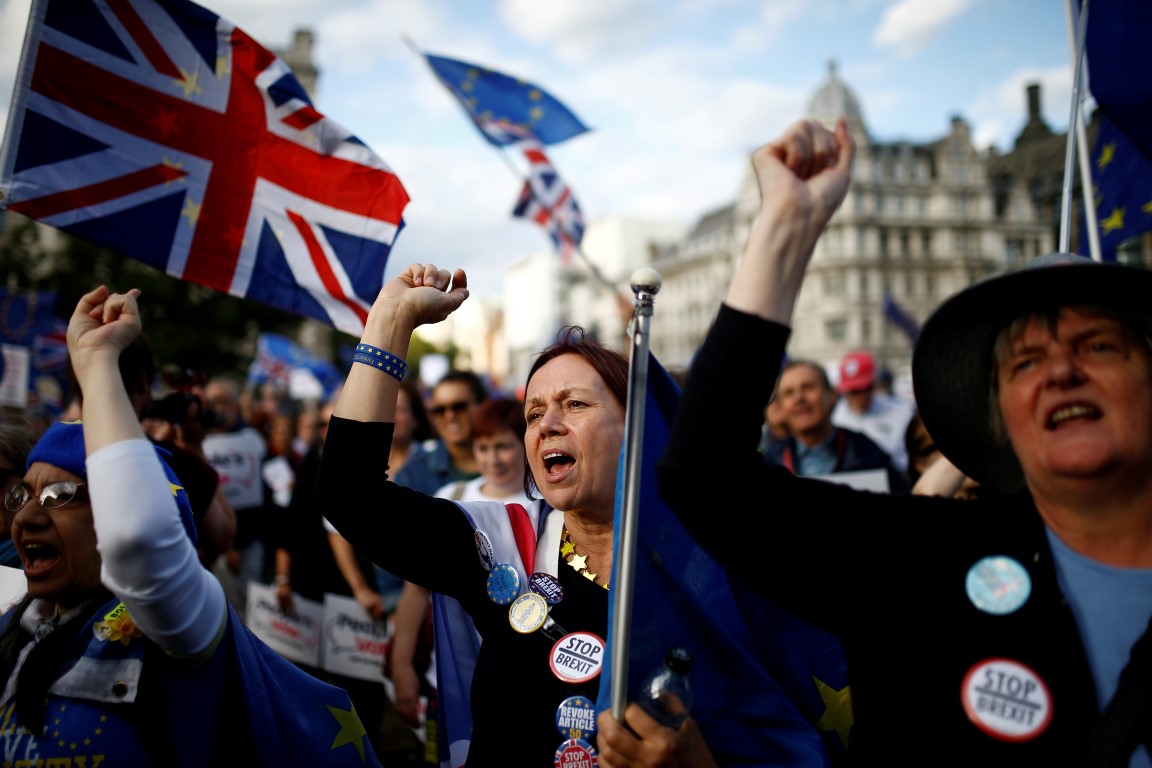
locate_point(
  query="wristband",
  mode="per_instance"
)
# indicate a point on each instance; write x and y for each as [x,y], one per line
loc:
[380,360]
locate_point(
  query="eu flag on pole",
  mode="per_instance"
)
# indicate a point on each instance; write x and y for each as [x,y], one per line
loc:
[506,109]
[900,318]
[548,201]
[1119,60]
[161,131]
[1122,177]
[769,689]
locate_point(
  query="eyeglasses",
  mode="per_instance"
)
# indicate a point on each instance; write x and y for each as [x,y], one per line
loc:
[54,495]
[457,407]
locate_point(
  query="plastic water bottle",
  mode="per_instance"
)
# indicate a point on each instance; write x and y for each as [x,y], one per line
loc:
[670,679]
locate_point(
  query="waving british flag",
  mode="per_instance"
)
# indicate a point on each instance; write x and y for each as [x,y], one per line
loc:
[548,201]
[160,130]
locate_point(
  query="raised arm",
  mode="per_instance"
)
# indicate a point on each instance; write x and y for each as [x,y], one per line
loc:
[803,179]
[422,294]
[149,560]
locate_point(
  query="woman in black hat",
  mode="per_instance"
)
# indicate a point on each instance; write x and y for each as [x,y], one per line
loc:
[987,632]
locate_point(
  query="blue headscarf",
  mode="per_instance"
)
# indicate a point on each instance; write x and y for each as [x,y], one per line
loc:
[62,445]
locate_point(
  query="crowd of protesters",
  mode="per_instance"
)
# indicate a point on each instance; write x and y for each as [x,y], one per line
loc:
[1033,420]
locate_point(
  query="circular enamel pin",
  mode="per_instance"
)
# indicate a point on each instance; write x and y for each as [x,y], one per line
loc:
[527,613]
[484,549]
[577,657]
[576,753]
[576,718]
[547,586]
[1006,700]
[503,584]
[998,585]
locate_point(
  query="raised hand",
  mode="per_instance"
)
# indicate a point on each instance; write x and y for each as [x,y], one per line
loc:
[103,323]
[422,294]
[803,177]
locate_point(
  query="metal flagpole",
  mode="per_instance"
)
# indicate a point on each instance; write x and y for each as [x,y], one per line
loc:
[1073,122]
[645,284]
[1083,154]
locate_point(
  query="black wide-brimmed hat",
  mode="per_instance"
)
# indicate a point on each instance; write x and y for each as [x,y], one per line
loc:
[952,365]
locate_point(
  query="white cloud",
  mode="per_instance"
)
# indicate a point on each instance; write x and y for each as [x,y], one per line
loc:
[580,30]
[1000,111]
[908,25]
[13,21]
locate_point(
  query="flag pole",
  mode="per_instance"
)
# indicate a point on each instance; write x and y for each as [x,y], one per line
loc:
[1073,122]
[1087,191]
[645,284]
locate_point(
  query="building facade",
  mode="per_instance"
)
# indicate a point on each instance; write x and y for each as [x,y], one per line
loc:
[920,222]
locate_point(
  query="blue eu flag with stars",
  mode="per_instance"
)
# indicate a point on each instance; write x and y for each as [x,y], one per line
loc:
[768,689]
[506,109]
[1122,178]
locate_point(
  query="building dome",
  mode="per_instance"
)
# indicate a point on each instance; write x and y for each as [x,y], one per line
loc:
[835,99]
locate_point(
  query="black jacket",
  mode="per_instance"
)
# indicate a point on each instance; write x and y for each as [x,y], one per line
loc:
[887,574]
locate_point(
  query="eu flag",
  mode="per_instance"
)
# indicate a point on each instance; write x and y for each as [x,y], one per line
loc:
[1122,177]
[506,109]
[768,688]
[900,318]
[1119,60]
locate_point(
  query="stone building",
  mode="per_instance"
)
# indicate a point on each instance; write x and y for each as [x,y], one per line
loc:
[920,222]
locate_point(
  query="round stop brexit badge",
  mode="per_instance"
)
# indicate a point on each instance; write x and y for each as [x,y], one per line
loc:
[1006,700]
[577,657]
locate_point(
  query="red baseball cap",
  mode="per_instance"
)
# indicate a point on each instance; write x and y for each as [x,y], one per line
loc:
[857,370]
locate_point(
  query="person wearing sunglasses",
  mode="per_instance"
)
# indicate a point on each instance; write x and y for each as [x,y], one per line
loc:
[124,650]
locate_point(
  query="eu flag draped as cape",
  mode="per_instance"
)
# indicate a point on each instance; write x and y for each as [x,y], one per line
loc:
[768,689]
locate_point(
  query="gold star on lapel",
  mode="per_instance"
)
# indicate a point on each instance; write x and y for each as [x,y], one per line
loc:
[578,561]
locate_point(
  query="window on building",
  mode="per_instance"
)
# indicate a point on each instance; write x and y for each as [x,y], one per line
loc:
[879,206]
[883,235]
[865,331]
[833,283]
[862,282]
[836,330]
[930,285]
[963,242]
[905,245]
[909,284]
[926,243]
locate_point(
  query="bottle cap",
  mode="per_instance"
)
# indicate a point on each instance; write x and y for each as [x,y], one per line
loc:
[679,660]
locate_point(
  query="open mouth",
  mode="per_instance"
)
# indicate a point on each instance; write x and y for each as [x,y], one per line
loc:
[556,462]
[39,558]
[1072,413]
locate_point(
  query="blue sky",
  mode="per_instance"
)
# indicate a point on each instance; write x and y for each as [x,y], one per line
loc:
[678,92]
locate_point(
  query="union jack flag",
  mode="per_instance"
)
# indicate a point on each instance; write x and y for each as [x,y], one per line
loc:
[547,200]
[160,130]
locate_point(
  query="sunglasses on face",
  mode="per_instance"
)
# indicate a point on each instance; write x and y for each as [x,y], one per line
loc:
[457,407]
[54,495]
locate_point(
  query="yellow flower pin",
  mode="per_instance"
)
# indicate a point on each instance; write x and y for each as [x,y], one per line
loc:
[117,627]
